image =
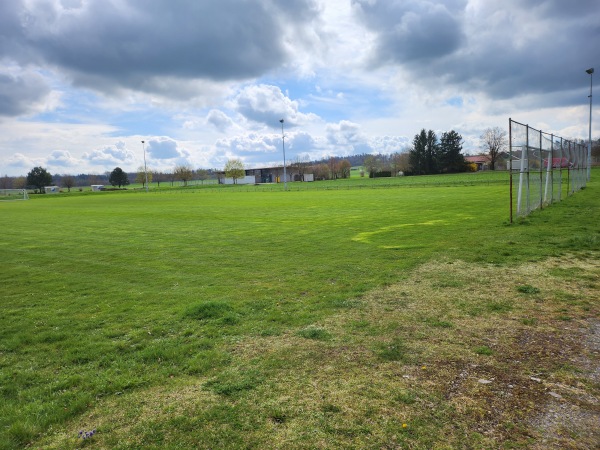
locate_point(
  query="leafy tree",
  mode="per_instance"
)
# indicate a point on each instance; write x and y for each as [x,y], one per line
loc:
[140,176]
[39,177]
[493,141]
[423,157]
[234,168]
[371,164]
[118,177]
[416,155]
[450,158]
[184,173]
[68,181]
[432,152]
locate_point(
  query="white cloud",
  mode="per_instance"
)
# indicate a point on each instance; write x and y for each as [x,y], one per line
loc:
[219,120]
[116,154]
[267,104]
[165,148]
[22,163]
[62,159]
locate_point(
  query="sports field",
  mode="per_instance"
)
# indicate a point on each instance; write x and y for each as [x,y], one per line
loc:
[391,315]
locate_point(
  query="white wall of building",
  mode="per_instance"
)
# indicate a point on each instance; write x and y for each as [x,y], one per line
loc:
[248,179]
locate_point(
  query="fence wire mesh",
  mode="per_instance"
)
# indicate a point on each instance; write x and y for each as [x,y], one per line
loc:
[543,168]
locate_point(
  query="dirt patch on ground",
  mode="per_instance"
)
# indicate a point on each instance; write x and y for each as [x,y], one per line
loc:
[571,416]
[535,331]
[500,356]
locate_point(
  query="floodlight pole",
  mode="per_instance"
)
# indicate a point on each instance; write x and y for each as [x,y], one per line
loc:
[283,146]
[145,169]
[590,71]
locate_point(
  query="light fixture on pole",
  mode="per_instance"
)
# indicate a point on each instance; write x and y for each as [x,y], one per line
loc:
[283,146]
[589,155]
[145,169]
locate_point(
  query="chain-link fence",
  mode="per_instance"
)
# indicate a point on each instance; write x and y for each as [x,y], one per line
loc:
[543,168]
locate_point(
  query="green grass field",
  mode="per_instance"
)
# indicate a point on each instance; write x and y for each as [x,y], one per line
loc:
[250,317]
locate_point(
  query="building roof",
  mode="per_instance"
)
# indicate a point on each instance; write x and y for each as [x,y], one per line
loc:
[481,159]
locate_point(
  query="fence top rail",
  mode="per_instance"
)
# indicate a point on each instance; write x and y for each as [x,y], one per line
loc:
[551,136]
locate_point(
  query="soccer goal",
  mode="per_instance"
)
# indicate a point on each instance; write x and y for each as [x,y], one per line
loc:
[13,194]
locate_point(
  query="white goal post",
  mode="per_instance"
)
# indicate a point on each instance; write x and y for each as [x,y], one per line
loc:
[13,194]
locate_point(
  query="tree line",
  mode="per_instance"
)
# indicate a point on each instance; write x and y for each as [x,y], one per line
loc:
[39,177]
[428,154]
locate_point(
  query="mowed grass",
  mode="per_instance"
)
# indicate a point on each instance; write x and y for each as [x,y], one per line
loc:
[226,319]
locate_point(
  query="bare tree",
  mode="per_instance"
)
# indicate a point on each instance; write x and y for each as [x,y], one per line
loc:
[400,163]
[344,167]
[158,176]
[68,181]
[184,173]
[301,165]
[202,174]
[171,176]
[333,168]
[493,141]
[6,182]
[19,182]
[94,178]
[321,171]
[596,150]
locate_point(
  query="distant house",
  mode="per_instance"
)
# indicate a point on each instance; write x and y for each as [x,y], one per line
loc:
[559,163]
[484,162]
[481,161]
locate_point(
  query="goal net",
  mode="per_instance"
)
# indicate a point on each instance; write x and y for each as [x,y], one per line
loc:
[13,194]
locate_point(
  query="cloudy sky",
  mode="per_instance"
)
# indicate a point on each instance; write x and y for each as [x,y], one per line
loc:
[83,82]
